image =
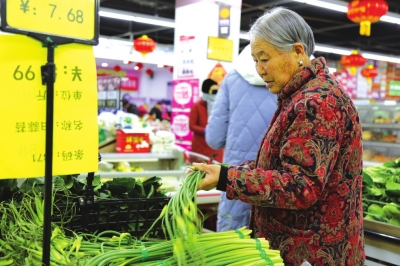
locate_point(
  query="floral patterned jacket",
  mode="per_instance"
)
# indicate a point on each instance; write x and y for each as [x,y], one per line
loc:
[305,184]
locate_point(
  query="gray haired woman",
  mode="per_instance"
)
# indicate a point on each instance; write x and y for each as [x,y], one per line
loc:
[305,184]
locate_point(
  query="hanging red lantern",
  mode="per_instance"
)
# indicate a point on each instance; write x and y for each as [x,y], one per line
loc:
[144,45]
[171,69]
[117,68]
[366,12]
[369,73]
[352,62]
[138,66]
[150,72]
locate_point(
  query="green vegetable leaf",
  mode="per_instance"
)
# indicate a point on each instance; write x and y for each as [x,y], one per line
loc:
[120,186]
[367,178]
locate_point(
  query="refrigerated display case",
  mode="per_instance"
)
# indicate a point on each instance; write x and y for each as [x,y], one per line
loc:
[380,130]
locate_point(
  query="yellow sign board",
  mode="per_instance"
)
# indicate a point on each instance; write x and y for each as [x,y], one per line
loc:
[23,109]
[75,19]
[220,49]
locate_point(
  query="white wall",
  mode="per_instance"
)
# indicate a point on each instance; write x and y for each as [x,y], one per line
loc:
[157,87]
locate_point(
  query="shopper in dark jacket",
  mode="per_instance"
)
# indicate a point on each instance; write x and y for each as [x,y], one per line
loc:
[130,107]
[305,185]
[242,112]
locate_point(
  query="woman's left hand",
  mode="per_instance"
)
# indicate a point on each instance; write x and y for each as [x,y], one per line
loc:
[211,178]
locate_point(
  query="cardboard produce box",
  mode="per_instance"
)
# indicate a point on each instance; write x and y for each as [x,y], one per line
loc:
[132,141]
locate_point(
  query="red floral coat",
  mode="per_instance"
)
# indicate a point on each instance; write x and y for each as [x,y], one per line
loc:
[305,184]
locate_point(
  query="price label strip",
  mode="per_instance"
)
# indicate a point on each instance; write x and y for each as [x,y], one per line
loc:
[69,21]
[23,109]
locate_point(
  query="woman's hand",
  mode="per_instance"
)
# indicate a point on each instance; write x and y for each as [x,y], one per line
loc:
[211,178]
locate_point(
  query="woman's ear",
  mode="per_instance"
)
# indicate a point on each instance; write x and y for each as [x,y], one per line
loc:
[299,48]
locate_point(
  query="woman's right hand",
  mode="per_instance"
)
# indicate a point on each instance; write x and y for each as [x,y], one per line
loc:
[211,178]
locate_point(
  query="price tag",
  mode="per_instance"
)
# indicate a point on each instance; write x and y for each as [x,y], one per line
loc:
[76,20]
[220,49]
[23,109]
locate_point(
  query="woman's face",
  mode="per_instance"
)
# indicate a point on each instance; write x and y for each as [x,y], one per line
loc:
[274,67]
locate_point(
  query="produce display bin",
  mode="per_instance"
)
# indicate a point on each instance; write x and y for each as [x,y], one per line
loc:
[132,215]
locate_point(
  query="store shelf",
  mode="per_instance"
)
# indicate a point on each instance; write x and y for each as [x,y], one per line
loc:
[382,144]
[160,173]
[381,125]
[117,157]
[370,163]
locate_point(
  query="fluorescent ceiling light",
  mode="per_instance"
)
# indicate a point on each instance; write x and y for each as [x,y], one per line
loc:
[110,13]
[332,6]
[332,50]
[104,65]
[390,19]
[367,55]
[342,7]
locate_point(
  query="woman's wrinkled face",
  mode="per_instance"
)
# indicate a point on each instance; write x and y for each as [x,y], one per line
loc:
[274,67]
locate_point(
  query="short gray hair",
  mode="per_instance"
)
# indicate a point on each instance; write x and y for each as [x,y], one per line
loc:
[282,28]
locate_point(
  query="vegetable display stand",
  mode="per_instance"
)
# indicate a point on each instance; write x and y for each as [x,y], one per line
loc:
[131,215]
[134,216]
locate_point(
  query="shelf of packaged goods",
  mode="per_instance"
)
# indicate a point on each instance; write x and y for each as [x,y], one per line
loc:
[381,125]
[160,173]
[118,157]
[205,197]
[382,144]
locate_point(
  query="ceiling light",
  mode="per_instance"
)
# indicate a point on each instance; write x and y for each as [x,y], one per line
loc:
[338,7]
[111,13]
[342,7]
[367,55]
[332,50]
[125,62]
[390,19]
[104,65]
[136,68]
[160,65]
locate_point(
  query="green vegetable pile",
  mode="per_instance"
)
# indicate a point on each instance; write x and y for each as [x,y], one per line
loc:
[381,193]
[124,204]
[21,235]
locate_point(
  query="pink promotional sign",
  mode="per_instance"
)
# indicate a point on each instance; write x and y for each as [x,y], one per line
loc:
[185,93]
[180,126]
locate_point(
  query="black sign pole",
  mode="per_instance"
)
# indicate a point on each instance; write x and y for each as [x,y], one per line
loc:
[48,78]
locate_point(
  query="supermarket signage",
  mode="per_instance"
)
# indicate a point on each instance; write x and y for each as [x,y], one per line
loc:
[224,20]
[23,109]
[54,21]
[220,49]
[394,88]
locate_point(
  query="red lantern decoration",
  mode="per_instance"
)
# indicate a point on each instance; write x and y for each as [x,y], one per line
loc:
[150,72]
[366,12]
[369,73]
[138,66]
[144,45]
[352,62]
[117,68]
[171,69]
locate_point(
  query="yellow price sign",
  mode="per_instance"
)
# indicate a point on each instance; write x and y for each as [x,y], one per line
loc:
[220,49]
[23,109]
[76,20]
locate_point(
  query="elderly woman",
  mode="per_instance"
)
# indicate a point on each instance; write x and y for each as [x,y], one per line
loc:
[305,183]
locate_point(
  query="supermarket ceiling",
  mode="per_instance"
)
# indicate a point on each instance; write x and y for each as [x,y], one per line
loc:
[330,27]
